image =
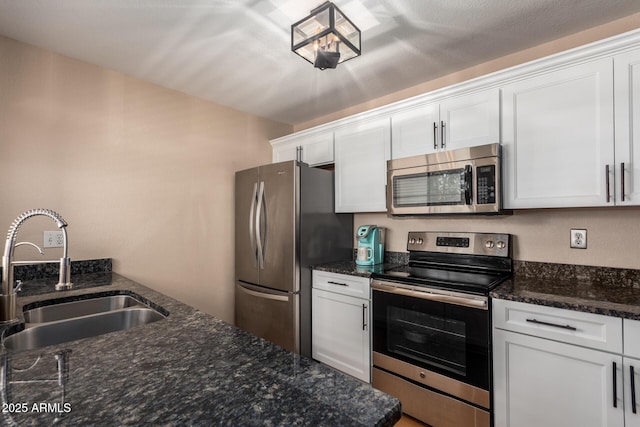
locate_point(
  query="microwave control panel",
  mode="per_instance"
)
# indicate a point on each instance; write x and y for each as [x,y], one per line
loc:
[486,185]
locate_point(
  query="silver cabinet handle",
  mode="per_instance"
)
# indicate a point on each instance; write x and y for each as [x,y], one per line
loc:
[364,317]
[435,136]
[441,133]
[606,172]
[252,234]
[622,181]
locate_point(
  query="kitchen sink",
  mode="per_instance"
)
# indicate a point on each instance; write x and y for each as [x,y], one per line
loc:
[64,321]
[67,310]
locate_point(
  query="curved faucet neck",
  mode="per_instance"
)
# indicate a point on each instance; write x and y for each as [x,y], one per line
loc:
[7,267]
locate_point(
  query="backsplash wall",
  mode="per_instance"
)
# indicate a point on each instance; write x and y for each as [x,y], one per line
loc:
[613,234]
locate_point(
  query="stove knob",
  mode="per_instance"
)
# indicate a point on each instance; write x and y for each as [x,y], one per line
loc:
[420,241]
[489,244]
[412,241]
[501,244]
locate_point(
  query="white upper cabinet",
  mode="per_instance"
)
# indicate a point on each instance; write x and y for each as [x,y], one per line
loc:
[456,122]
[361,153]
[470,120]
[558,138]
[568,125]
[414,131]
[627,122]
[284,151]
[312,148]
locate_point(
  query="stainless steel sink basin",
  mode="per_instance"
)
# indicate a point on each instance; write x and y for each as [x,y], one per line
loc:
[64,321]
[68,310]
[80,327]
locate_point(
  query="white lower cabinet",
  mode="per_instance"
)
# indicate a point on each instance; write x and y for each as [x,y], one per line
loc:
[340,334]
[539,382]
[631,370]
[545,374]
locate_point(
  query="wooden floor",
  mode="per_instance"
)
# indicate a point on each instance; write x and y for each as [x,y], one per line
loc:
[407,421]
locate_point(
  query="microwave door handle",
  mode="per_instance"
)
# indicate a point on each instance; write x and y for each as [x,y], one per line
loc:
[468,184]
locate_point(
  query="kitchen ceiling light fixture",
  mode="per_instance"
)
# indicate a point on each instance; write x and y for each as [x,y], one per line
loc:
[326,37]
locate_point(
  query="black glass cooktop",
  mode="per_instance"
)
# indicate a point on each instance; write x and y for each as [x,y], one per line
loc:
[464,280]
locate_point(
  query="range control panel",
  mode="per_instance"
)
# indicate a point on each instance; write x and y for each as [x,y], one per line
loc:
[493,244]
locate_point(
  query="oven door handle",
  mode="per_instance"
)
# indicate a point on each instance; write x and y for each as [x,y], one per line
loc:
[480,303]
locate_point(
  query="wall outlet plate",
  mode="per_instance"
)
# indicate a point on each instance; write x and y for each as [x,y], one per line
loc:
[53,239]
[578,238]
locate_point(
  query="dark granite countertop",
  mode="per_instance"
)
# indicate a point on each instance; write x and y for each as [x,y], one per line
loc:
[600,290]
[391,259]
[187,369]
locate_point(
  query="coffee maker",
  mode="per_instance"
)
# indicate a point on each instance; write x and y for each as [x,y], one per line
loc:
[370,245]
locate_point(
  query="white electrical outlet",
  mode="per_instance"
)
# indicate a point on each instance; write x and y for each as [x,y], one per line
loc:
[578,238]
[53,239]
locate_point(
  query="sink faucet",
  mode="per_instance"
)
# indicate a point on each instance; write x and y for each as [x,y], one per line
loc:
[8,295]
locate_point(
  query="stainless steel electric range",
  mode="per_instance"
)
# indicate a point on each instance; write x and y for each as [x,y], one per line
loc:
[432,326]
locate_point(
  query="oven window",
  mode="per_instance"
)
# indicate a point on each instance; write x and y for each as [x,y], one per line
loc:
[430,189]
[431,339]
[449,339]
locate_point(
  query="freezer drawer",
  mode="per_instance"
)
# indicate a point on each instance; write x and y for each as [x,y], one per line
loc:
[272,315]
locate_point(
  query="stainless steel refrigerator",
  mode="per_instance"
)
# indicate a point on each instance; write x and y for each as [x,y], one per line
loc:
[284,224]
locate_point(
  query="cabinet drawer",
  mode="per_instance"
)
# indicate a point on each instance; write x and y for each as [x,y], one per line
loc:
[573,327]
[341,283]
[631,337]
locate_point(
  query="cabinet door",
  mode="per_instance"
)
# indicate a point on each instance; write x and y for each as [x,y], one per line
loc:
[415,131]
[470,120]
[285,151]
[538,382]
[631,369]
[627,81]
[340,333]
[557,138]
[317,149]
[361,152]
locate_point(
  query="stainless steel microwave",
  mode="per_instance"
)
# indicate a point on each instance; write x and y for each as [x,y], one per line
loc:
[462,181]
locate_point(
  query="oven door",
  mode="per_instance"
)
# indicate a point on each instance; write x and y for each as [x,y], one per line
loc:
[440,331]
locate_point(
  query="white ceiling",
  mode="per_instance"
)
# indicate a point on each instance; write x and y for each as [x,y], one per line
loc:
[237,52]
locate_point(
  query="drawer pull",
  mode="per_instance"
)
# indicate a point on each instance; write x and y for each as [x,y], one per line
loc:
[555,325]
[632,375]
[337,283]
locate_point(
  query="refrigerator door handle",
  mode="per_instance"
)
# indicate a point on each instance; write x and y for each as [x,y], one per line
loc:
[264,295]
[259,241]
[252,234]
